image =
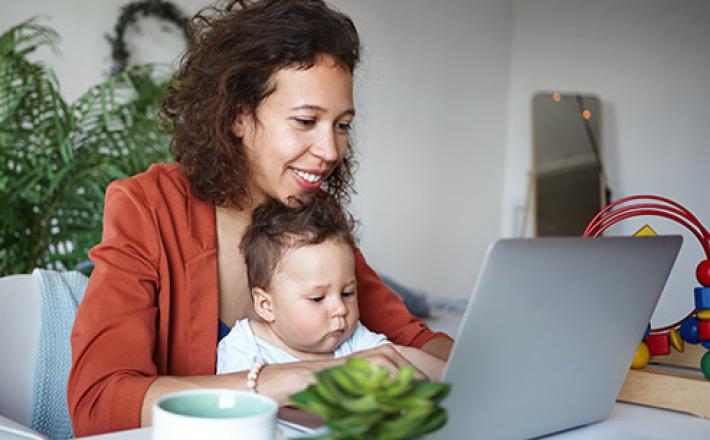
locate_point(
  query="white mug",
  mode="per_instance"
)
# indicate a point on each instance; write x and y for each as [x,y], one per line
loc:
[214,414]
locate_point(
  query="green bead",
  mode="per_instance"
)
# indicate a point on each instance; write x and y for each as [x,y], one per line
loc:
[705,364]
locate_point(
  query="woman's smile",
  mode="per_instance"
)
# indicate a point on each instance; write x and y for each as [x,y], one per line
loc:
[308,180]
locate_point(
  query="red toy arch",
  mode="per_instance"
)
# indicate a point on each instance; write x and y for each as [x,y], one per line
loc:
[667,208]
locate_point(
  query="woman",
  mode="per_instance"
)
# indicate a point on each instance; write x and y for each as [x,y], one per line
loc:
[261,107]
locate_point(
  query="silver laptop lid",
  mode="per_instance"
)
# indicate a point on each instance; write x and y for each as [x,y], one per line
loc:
[549,333]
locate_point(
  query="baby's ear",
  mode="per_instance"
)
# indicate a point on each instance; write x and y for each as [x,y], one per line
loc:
[263,304]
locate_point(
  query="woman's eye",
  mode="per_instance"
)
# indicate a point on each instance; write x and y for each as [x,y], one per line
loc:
[316,299]
[344,126]
[348,294]
[305,122]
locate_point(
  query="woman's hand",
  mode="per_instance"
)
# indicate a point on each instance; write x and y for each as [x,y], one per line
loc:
[439,347]
[389,356]
[432,366]
[279,381]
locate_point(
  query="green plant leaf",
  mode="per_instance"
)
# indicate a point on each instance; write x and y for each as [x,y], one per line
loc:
[359,400]
[57,159]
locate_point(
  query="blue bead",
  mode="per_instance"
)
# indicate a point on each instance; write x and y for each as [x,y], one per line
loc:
[689,330]
[706,344]
[702,298]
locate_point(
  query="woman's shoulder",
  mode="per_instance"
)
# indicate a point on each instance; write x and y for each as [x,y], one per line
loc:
[160,186]
[163,193]
[164,178]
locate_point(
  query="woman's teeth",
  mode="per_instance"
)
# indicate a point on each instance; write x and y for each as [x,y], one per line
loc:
[312,178]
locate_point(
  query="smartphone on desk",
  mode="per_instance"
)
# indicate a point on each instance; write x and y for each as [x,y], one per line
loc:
[297,423]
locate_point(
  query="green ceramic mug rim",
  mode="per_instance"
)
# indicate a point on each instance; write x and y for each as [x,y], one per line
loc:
[218,404]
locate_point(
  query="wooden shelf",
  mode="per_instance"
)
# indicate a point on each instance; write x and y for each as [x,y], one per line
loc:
[689,358]
[672,382]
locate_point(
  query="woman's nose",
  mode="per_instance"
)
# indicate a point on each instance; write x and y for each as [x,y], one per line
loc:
[326,146]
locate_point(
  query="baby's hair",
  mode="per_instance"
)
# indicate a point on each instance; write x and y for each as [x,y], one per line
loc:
[277,228]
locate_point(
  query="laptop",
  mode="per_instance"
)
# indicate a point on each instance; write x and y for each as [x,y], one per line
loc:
[549,333]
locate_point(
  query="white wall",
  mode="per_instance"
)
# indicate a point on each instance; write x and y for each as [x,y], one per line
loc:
[649,62]
[431,98]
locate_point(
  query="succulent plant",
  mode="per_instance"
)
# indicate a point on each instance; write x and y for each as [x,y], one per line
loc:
[361,400]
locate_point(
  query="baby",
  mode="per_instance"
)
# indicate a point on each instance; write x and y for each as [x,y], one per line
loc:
[301,271]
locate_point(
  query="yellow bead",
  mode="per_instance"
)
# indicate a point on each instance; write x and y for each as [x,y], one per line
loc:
[703,314]
[641,357]
[676,341]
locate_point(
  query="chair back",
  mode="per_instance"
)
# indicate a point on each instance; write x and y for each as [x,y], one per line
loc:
[20,319]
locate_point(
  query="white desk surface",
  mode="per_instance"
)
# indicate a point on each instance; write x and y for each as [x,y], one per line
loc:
[626,422]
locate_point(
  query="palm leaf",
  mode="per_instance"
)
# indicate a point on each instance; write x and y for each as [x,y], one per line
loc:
[57,159]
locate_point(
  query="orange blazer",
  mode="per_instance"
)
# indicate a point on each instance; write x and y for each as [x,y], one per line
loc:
[151,306]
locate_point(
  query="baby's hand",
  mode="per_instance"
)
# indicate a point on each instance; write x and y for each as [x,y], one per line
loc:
[431,366]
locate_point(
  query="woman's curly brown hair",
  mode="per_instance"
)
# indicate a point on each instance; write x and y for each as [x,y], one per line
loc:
[235,51]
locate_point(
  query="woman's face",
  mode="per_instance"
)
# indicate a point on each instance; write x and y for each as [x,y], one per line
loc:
[301,130]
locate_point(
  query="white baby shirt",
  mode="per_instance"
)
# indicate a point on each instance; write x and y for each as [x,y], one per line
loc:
[241,347]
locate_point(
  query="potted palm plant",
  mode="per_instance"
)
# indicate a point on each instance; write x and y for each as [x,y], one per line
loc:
[56,158]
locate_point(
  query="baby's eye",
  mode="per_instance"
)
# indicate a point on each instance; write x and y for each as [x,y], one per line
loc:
[348,294]
[316,299]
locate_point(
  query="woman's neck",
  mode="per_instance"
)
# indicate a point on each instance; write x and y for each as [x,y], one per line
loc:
[266,331]
[234,216]
[234,295]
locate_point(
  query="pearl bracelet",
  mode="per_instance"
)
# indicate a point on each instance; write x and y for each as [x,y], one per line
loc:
[253,374]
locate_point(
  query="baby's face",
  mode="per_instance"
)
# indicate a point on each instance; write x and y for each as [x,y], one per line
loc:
[314,297]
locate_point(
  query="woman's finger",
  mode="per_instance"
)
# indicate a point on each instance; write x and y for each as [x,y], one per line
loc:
[387,356]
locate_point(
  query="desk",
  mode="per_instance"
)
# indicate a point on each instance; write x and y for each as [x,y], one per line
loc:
[626,422]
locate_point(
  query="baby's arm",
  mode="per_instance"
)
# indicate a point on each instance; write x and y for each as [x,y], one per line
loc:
[430,365]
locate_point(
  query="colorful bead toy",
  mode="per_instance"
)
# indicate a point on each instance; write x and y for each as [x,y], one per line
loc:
[658,344]
[641,357]
[695,327]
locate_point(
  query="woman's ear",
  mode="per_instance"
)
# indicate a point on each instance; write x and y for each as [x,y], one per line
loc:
[263,304]
[239,126]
